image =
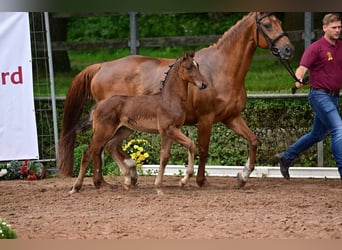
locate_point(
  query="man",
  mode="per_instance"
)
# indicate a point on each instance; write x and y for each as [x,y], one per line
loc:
[323,60]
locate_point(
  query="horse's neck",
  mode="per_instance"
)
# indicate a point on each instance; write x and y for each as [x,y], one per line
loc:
[237,46]
[175,89]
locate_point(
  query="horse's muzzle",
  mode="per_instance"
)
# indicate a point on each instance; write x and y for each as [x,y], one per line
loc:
[284,52]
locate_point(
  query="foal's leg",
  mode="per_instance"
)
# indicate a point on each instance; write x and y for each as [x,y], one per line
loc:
[120,157]
[165,149]
[84,164]
[97,163]
[239,126]
[185,141]
[98,179]
[125,160]
[103,132]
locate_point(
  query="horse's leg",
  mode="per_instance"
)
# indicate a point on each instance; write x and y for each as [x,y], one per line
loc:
[120,157]
[186,142]
[129,163]
[103,133]
[98,179]
[84,164]
[97,163]
[165,149]
[204,128]
[239,126]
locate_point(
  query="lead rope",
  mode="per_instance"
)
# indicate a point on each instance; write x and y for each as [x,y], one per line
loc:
[289,69]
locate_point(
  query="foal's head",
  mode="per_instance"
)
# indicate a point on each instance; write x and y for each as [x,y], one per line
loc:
[188,70]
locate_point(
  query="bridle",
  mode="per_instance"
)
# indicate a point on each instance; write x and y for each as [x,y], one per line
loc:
[271,42]
[275,51]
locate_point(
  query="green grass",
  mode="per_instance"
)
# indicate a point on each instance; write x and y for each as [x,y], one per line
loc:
[266,74]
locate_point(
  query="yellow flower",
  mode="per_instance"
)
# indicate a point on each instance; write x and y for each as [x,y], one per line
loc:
[135,148]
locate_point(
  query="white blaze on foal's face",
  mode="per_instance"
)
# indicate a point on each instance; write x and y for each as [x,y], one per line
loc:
[195,63]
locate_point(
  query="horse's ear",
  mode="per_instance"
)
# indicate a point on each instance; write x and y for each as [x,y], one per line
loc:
[185,55]
[192,54]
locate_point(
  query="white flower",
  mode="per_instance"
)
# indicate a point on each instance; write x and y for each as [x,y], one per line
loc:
[3,172]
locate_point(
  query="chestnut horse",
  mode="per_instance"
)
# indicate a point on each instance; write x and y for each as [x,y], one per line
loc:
[224,64]
[115,118]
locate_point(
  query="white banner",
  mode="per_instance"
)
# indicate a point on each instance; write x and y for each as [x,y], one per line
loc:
[18,131]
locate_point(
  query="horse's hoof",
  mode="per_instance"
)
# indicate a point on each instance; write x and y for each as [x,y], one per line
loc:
[107,185]
[203,183]
[241,181]
[126,187]
[134,180]
[72,191]
[159,191]
[181,184]
[102,184]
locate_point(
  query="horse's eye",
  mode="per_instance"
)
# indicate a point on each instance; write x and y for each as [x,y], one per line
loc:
[268,26]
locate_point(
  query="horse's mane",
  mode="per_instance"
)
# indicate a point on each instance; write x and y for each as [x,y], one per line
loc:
[232,33]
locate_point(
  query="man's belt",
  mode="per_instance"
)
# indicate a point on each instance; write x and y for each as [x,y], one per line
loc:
[329,92]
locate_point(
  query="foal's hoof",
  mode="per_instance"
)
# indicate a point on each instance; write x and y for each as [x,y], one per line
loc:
[126,187]
[241,180]
[159,191]
[103,184]
[134,180]
[73,190]
[181,183]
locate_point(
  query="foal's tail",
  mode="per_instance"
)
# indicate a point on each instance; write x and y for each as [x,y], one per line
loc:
[78,95]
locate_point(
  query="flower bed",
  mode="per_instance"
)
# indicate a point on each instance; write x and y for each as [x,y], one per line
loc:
[26,170]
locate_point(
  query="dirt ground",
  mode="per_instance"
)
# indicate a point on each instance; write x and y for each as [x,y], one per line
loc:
[266,208]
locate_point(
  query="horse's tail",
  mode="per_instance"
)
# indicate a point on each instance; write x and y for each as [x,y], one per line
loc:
[86,123]
[78,95]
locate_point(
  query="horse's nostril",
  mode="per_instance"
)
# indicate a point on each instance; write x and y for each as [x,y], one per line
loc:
[288,50]
[275,51]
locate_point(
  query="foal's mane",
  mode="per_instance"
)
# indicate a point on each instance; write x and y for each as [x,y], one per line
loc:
[167,73]
[232,33]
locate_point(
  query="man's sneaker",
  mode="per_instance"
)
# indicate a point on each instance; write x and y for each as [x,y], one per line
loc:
[284,167]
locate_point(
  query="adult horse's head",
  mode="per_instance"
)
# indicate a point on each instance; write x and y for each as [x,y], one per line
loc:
[270,35]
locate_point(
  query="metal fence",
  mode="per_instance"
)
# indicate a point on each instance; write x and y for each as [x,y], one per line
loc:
[43,82]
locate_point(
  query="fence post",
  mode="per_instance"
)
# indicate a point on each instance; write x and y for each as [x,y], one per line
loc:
[134,34]
[52,82]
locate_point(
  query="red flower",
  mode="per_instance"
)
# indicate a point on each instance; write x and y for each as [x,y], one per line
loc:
[30,172]
[32,177]
[23,169]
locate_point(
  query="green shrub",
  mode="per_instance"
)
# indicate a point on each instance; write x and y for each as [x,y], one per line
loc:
[6,231]
[109,167]
[277,123]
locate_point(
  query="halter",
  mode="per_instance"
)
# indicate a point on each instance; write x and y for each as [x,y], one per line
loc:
[270,42]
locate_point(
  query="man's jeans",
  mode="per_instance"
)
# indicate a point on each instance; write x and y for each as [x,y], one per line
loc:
[326,120]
